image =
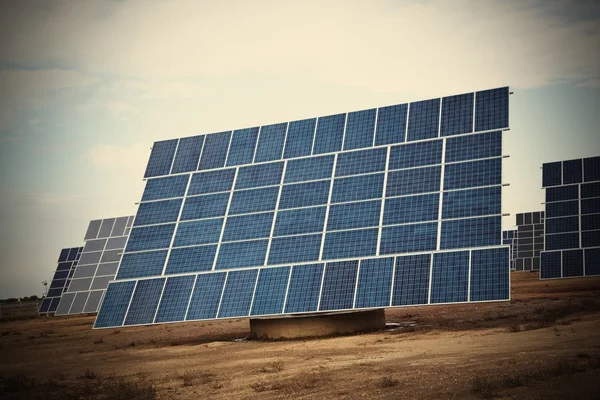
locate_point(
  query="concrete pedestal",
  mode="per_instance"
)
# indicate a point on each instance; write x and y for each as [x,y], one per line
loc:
[317,325]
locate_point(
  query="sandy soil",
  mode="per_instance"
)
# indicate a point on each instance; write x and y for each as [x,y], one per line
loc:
[543,344]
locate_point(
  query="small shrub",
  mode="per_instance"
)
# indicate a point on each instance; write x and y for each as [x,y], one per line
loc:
[275,366]
[89,374]
[387,381]
[260,387]
[98,341]
[514,328]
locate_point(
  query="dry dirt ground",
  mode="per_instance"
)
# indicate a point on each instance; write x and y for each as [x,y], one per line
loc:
[543,344]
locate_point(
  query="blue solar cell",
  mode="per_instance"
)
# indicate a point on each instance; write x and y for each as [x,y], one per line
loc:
[408,238]
[562,209]
[471,232]
[215,151]
[64,253]
[237,296]
[590,239]
[114,305]
[338,285]
[562,225]
[590,222]
[299,138]
[309,169]
[259,175]
[211,182]
[411,280]
[61,275]
[589,190]
[473,147]
[304,194]
[357,188]
[191,259]
[161,158]
[59,283]
[304,288]
[73,252]
[54,304]
[270,142]
[198,232]
[491,109]
[285,250]
[550,266]
[374,282]
[572,263]
[242,254]
[270,291]
[150,237]
[560,193]
[157,212]
[253,226]
[330,133]
[590,206]
[360,129]
[207,206]
[572,172]
[457,114]
[592,262]
[164,188]
[391,124]
[254,200]
[413,181]
[423,119]
[175,298]
[64,266]
[354,215]
[55,292]
[45,305]
[416,154]
[561,241]
[473,174]
[138,265]
[361,162]
[591,169]
[449,279]
[188,154]
[552,174]
[302,220]
[144,301]
[206,297]
[490,275]
[241,149]
[348,244]
[472,202]
[407,209]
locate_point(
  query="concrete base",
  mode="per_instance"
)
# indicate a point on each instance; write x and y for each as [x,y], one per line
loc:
[317,325]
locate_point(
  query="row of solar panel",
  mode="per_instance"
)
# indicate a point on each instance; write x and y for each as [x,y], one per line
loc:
[574,240]
[448,277]
[429,119]
[67,262]
[572,192]
[109,227]
[81,302]
[530,218]
[570,263]
[460,149]
[571,171]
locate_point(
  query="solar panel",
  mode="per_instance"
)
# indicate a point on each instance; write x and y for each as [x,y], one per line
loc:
[392,206]
[67,262]
[528,241]
[104,243]
[572,234]
[509,238]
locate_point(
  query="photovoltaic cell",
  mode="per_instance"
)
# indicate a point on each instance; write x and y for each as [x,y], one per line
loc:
[270,142]
[360,129]
[188,154]
[391,125]
[330,134]
[161,158]
[423,119]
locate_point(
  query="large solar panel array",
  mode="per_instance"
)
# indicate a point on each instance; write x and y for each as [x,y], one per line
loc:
[104,243]
[394,206]
[508,238]
[572,237]
[529,241]
[67,262]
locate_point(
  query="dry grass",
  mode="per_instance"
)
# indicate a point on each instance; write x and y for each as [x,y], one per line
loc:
[275,366]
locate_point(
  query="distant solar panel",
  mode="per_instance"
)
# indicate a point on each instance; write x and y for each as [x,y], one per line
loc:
[572,236]
[67,262]
[104,243]
[394,206]
[528,241]
[509,238]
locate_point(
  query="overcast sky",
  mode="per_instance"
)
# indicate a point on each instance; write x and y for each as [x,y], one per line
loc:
[86,87]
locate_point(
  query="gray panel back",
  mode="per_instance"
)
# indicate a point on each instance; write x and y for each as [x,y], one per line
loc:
[130,221]
[84,271]
[116,243]
[127,231]
[106,227]
[101,282]
[93,301]
[111,256]
[93,228]
[119,226]
[65,303]
[107,269]
[94,245]
[90,258]
[79,302]
[78,285]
